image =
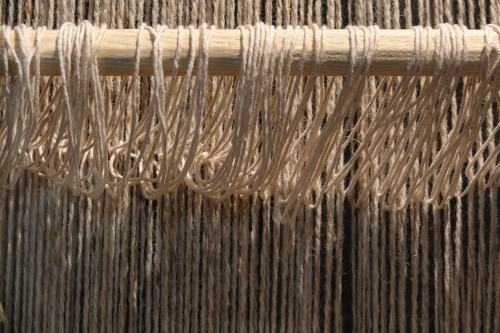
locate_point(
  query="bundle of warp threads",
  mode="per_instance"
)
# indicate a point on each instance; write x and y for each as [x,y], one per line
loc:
[71,134]
[393,181]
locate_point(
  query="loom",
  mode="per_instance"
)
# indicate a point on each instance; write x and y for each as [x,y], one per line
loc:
[249,166]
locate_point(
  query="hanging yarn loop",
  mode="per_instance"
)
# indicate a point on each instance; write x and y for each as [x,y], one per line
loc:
[69,132]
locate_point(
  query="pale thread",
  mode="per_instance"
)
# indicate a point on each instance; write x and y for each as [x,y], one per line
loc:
[269,201]
[60,143]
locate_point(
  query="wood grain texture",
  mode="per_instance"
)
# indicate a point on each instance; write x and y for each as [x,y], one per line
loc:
[116,52]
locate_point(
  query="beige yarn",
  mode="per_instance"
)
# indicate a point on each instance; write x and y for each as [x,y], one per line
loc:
[263,202]
[173,141]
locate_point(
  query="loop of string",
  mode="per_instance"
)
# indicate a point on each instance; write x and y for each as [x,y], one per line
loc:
[224,136]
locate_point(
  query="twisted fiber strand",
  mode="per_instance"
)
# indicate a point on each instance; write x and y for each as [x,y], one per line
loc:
[471,283]
[84,161]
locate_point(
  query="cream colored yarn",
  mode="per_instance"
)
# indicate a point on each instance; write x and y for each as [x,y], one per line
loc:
[174,139]
[263,202]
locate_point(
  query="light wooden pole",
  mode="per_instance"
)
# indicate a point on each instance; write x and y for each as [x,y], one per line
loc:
[116,52]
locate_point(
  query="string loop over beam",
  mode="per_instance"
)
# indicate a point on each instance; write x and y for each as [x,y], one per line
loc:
[117,49]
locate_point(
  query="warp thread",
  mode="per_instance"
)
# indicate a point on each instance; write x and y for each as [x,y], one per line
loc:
[183,262]
[71,134]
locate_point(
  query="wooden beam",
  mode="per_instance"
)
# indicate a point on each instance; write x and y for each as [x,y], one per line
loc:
[116,52]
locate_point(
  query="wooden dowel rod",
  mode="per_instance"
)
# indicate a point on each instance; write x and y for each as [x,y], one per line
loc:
[117,49]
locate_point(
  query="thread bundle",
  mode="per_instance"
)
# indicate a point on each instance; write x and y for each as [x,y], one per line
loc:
[72,130]
[382,249]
